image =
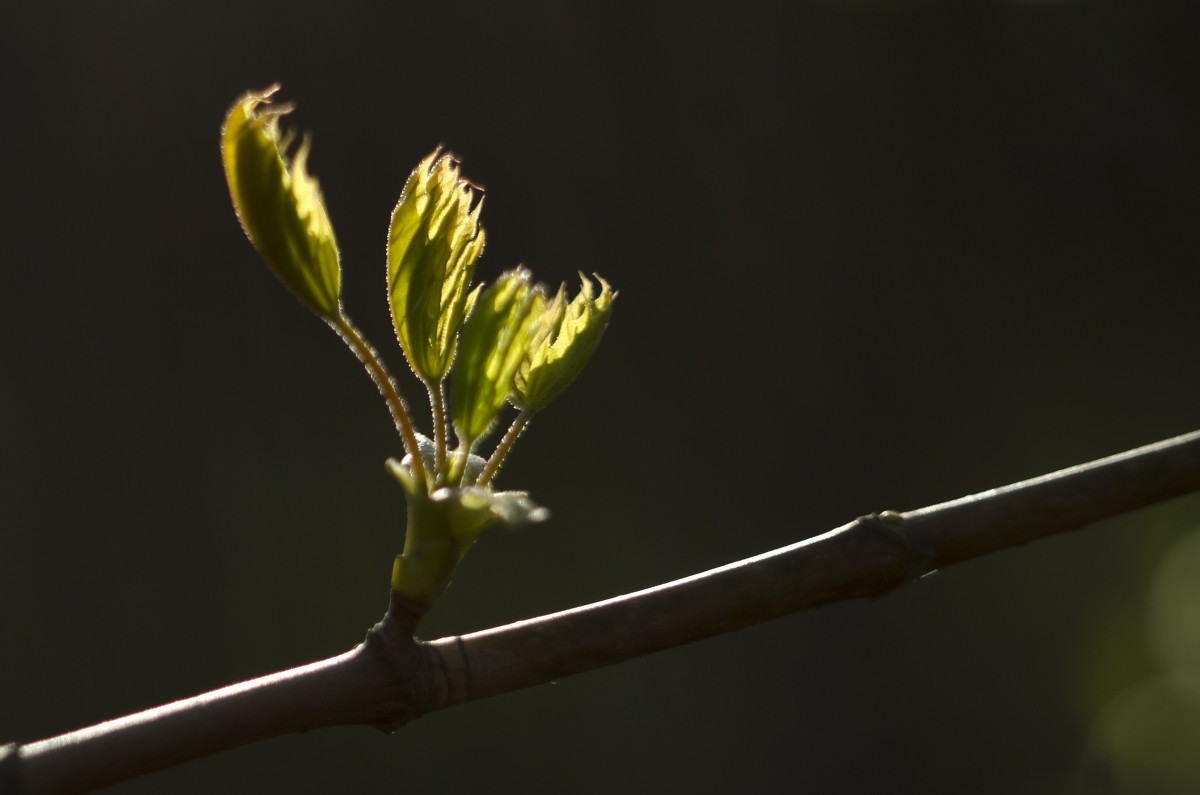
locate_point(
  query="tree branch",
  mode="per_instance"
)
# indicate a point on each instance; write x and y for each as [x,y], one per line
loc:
[392,678]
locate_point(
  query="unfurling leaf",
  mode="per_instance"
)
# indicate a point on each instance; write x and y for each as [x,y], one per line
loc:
[563,340]
[433,244]
[279,204]
[494,342]
[512,342]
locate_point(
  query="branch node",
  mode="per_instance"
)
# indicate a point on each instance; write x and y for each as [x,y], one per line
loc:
[891,524]
[391,644]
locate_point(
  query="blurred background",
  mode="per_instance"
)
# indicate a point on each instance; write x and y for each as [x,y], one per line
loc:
[872,255]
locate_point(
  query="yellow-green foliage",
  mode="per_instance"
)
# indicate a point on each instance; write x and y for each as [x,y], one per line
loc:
[494,343]
[566,336]
[516,345]
[433,244]
[279,204]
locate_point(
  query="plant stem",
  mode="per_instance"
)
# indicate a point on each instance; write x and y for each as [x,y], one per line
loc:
[459,475]
[392,678]
[437,404]
[866,558]
[387,387]
[510,436]
[372,684]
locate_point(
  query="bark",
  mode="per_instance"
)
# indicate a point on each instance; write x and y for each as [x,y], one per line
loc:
[392,678]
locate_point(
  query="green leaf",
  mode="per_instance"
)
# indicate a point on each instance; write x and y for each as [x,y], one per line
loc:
[564,339]
[279,204]
[433,244]
[495,341]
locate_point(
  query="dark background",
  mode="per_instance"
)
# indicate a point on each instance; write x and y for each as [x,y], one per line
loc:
[871,255]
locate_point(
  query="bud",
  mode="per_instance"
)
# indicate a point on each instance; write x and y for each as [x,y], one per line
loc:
[563,340]
[433,244]
[443,525]
[494,343]
[279,205]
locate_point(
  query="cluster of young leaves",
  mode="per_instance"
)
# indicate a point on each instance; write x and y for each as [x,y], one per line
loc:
[506,343]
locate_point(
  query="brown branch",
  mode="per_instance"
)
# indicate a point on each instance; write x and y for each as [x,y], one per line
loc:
[866,558]
[392,678]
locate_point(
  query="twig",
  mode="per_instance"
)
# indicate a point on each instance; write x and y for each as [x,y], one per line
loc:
[392,678]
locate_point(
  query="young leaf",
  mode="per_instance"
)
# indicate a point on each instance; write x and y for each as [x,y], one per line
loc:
[279,205]
[563,340]
[433,244]
[494,343]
